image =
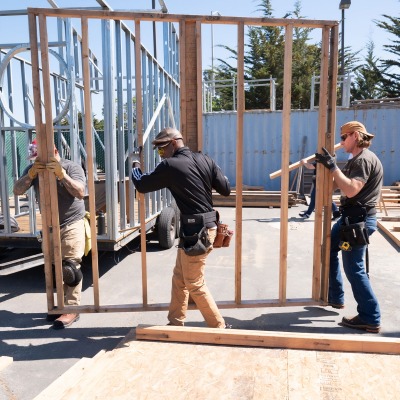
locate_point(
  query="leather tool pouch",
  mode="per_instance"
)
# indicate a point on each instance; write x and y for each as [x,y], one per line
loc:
[224,235]
[193,235]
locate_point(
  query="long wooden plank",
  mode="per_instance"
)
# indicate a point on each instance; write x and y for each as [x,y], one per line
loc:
[284,340]
[164,306]
[139,127]
[297,164]
[286,112]
[33,38]
[199,88]
[239,164]
[129,15]
[387,227]
[322,173]
[89,163]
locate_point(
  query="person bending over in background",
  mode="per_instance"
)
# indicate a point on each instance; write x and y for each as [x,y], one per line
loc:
[71,208]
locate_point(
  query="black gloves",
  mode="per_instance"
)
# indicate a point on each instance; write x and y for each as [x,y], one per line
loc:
[326,159]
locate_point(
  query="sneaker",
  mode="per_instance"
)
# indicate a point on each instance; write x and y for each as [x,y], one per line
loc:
[357,323]
[304,215]
[228,326]
[65,320]
[337,306]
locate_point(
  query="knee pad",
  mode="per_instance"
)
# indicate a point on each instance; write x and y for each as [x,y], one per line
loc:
[71,274]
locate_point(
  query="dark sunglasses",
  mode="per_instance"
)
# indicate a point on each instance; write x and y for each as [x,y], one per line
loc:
[344,136]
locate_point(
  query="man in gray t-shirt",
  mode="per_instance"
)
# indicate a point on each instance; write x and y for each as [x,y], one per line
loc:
[71,183]
[360,183]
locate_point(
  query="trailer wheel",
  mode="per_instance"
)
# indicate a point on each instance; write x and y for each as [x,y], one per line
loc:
[177,217]
[166,228]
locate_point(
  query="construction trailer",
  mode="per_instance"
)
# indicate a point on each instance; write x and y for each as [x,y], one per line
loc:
[113,91]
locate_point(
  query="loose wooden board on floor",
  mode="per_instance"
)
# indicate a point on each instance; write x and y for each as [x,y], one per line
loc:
[164,370]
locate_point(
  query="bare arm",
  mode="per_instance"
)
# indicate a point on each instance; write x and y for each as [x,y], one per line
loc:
[22,185]
[75,188]
[349,187]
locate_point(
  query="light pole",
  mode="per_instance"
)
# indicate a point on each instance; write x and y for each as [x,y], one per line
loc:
[344,5]
[212,52]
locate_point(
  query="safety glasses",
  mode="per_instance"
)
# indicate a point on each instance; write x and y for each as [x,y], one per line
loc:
[161,150]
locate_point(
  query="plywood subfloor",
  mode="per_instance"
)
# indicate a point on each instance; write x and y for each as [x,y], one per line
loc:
[159,370]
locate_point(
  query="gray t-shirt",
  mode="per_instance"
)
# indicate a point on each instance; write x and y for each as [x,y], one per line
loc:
[70,208]
[365,167]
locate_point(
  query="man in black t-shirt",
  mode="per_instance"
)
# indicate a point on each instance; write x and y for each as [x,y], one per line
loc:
[360,183]
[190,177]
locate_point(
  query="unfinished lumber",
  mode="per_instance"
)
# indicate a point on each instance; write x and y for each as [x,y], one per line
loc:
[387,228]
[5,361]
[297,164]
[395,219]
[285,340]
[153,370]
[254,199]
[64,382]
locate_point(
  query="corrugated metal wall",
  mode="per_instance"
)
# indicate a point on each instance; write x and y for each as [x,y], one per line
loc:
[262,141]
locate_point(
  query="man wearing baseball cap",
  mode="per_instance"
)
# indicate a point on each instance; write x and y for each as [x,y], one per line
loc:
[190,177]
[71,182]
[360,183]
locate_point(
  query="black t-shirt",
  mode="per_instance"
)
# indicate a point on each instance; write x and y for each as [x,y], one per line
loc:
[189,176]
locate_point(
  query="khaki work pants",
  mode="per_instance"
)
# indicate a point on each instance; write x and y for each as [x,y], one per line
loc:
[72,248]
[188,278]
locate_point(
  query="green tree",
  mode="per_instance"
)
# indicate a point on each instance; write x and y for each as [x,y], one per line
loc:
[367,83]
[264,59]
[391,81]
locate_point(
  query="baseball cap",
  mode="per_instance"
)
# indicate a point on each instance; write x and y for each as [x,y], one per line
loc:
[32,150]
[353,126]
[165,137]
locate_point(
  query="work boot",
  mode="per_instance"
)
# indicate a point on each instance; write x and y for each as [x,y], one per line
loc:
[52,317]
[65,320]
[357,323]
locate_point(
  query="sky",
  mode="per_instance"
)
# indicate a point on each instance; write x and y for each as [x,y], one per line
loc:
[359,18]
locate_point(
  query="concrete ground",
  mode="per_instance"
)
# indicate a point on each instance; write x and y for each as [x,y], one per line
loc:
[41,354]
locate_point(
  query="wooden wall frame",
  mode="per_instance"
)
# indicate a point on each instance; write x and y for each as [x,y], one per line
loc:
[191,127]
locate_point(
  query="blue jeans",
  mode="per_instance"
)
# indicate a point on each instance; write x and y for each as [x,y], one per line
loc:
[354,268]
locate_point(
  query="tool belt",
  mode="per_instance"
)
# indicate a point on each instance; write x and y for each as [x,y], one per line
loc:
[193,234]
[352,231]
[224,235]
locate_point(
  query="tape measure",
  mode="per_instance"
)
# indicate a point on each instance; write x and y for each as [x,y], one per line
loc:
[345,246]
